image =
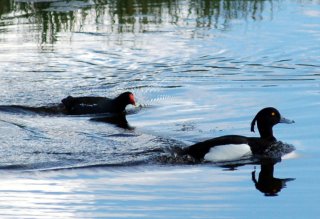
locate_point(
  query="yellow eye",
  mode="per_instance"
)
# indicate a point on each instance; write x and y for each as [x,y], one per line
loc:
[273,114]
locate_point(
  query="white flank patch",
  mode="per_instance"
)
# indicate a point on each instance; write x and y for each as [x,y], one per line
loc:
[227,152]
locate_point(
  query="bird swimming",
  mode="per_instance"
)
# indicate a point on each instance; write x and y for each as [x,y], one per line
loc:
[95,105]
[230,147]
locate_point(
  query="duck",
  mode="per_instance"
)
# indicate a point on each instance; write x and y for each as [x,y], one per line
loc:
[97,105]
[230,147]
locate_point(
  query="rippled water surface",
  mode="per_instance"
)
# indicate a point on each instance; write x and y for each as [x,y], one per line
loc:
[198,69]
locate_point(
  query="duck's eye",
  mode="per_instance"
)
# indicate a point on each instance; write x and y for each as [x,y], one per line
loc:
[273,114]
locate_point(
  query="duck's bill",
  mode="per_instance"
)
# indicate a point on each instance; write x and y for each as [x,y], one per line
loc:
[285,120]
[132,100]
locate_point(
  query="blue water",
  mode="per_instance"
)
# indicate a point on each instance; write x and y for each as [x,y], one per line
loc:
[198,69]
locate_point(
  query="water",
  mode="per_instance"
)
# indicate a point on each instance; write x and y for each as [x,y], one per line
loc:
[198,69]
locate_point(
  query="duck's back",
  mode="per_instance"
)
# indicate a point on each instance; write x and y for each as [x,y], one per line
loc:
[199,150]
[228,147]
[87,100]
[87,105]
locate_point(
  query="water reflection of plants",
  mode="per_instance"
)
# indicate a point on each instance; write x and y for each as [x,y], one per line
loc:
[119,16]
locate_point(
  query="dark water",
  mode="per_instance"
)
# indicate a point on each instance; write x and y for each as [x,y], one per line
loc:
[198,69]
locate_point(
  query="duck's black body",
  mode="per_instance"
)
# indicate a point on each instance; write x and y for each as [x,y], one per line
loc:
[199,150]
[96,105]
[266,119]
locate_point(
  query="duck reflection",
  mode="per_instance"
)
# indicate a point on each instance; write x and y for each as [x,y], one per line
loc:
[118,120]
[266,182]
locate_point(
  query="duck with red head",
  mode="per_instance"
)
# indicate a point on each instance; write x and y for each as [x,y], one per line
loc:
[97,105]
[231,147]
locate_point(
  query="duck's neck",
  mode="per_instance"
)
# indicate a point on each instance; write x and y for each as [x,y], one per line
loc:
[119,104]
[266,132]
[266,171]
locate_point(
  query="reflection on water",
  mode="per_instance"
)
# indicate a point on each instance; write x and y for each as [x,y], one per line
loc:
[267,183]
[119,120]
[129,193]
[112,16]
[134,192]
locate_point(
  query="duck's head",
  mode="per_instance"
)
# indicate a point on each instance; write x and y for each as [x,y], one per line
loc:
[127,98]
[266,119]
